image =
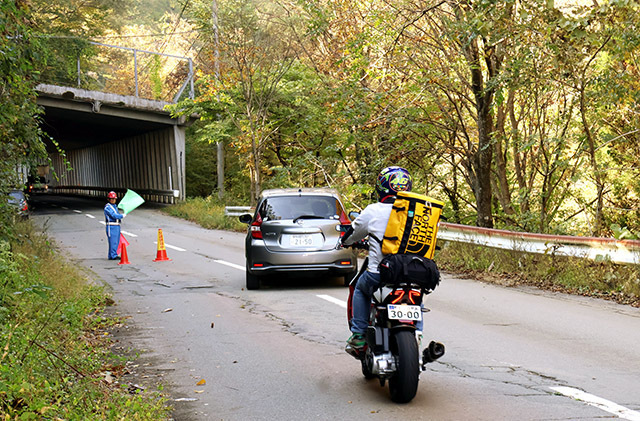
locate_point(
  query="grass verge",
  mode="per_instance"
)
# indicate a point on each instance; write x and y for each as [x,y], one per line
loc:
[207,213]
[55,361]
[616,282]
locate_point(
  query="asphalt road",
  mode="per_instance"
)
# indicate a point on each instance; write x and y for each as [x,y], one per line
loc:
[277,353]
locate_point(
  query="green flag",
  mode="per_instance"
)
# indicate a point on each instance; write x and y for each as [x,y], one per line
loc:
[130,201]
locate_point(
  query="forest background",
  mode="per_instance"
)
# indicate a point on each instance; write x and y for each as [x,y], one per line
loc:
[519,115]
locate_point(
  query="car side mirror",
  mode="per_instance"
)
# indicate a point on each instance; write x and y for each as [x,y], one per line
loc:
[245,218]
[353,215]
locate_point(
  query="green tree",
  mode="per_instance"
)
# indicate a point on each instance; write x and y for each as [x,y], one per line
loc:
[21,145]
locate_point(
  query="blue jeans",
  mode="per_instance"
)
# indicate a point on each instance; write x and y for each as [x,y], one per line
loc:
[367,283]
[113,236]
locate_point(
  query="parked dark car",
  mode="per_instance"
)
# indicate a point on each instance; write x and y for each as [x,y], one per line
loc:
[18,200]
[297,230]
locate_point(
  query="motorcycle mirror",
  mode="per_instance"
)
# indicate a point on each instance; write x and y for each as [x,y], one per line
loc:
[353,215]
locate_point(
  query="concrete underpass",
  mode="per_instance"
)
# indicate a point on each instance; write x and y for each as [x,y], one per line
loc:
[113,142]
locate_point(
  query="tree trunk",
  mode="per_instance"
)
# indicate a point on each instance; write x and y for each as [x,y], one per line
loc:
[502,183]
[599,224]
[482,156]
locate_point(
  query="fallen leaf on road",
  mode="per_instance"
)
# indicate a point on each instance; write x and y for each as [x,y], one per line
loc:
[201,382]
[198,391]
[167,310]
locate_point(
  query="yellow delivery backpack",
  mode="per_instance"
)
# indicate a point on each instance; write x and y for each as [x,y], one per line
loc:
[413,225]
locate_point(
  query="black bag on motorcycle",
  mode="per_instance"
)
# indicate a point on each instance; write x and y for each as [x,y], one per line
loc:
[399,268]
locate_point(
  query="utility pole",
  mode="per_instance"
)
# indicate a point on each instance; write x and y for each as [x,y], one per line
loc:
[216,67]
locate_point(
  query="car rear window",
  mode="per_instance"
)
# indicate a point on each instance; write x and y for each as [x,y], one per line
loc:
[290,207]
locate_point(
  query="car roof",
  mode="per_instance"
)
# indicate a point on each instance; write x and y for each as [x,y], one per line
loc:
[324,191]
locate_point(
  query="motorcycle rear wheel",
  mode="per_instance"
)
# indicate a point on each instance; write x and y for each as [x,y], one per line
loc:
[403,385]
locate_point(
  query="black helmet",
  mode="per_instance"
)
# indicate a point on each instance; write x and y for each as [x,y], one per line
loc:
[391,180]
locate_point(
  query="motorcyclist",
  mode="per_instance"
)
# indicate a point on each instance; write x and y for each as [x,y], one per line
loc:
[372,222]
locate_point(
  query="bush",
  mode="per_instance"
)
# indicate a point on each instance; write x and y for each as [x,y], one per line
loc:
[207,213]
[53,340]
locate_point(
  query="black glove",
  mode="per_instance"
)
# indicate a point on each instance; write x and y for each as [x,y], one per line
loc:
[346,235]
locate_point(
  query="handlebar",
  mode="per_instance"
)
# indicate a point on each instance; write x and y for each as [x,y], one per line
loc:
[360,245]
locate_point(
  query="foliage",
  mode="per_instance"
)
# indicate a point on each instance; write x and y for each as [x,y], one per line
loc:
[54,340]
[206,212]
[20,134]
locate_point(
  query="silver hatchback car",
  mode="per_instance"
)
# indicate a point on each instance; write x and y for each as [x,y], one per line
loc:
[297,230]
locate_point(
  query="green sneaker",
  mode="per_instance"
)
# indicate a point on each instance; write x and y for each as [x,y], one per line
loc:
[356,341]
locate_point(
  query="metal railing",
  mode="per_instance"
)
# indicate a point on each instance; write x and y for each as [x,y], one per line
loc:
[120,70]
[594,248]
[236,210]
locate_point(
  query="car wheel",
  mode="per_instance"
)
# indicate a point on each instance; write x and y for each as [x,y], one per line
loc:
[253,281]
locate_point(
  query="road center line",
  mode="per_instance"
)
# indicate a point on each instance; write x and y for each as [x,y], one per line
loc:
[233,265]
[130,234]
[333,300]
[77,211]
[605,405]
[171,247]
[90,216]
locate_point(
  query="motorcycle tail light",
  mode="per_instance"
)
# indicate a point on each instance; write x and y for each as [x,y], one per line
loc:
[399,294]
[411,296]
[414,296]
[256,231]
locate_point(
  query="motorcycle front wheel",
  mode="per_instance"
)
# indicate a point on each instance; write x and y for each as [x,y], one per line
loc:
[403,385]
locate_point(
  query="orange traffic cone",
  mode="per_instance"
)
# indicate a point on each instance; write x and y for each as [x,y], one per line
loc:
[124,259]
[162,250]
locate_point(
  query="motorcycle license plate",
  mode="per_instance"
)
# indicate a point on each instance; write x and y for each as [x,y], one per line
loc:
[404,312]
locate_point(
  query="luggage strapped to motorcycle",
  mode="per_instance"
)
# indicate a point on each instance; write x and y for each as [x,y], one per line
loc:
[409,241]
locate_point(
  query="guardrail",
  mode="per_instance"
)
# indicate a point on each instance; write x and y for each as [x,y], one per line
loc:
[236,210]
[595,248]
[162,196]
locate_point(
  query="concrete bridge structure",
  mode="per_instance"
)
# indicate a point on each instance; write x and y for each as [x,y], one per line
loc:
[103,140]
[113,142]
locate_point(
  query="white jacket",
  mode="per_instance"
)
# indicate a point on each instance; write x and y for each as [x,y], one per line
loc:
[372,222]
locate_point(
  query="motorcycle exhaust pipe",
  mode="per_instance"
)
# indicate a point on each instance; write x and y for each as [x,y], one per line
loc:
[431,353]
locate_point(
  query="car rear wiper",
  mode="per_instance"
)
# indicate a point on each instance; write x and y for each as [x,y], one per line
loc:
[309,217]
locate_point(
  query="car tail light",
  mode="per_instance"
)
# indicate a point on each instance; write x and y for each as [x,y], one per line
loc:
[344,220]
[256,232]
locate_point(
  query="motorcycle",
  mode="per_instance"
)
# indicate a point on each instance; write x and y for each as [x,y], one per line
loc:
[392,337]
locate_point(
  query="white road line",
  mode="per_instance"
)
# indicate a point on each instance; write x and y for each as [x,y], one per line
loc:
[130,234]
[605,405]
[170,246]
[90,216]
[333,300]
[233,265]
[77,211]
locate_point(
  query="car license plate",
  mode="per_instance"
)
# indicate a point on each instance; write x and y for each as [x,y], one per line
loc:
[301,240]
[404,312]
